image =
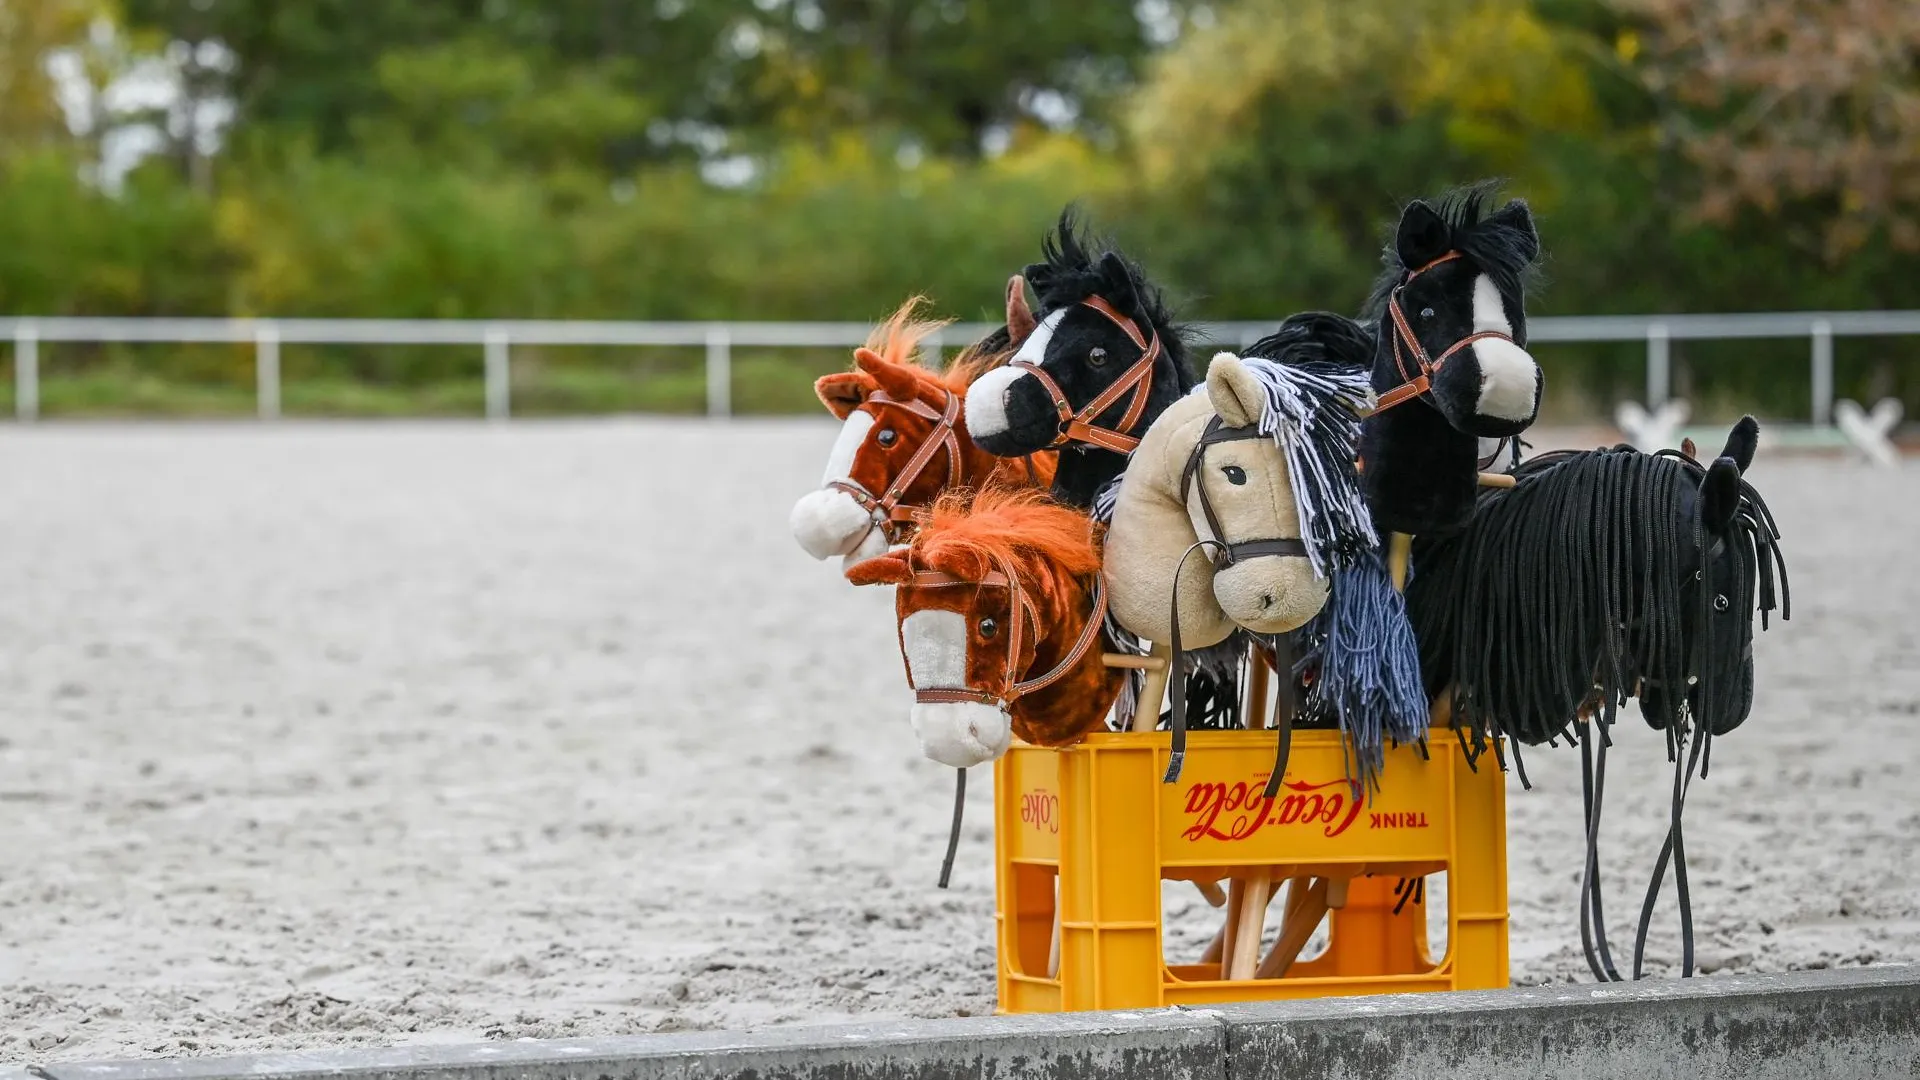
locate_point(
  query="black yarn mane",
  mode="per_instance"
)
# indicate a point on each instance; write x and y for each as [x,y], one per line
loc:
[1505,253]
[1071,273]
[1591,581]
[1571,590]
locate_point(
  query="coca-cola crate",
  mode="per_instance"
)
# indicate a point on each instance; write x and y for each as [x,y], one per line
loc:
[1093,825]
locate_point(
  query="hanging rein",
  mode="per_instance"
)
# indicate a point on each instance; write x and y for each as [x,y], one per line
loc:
[1020,612]
[1080,427]
[1225,554]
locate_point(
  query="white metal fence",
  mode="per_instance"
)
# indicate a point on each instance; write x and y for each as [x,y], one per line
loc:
[494,342]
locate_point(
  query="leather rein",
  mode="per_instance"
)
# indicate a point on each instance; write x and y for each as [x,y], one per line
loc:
[1224,555]
[1021,613]
[1080,427]
[889,514]
[1420,384]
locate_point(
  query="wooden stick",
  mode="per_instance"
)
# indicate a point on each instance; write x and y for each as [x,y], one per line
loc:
[1253,920]
[1128,660]
[1441,713]
[1217,947]
[1214,894]
[1498,480]
[1399,550]
[1256,710]
[1337,892]
[1146,711]
[1053,947]
[1236,899]
[1293,936]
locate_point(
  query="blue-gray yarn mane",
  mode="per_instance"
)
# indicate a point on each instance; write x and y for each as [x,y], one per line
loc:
[1312,412]
[1317,383]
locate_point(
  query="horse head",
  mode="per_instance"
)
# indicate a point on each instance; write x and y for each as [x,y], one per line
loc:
[1223,471]
[1000,609]
[901,442]
[1721,596]
[1102,360]
[1450,364]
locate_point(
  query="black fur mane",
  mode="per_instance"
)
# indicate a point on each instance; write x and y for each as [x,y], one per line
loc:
[1072,272]
[1504,252]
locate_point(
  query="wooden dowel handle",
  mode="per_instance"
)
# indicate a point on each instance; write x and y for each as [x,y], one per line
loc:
[1126,660]
[1498,480]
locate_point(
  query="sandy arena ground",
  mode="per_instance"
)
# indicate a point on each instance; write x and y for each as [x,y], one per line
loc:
[321,735]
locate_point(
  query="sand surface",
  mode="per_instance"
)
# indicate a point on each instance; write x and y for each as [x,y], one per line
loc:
[324,735]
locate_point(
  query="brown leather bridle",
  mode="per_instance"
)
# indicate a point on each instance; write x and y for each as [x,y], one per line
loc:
[1421,384]
[888,513]
[1080,427]
[1011,687]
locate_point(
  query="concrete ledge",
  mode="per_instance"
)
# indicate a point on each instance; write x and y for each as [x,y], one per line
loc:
[1832,1025]
[1081,1046]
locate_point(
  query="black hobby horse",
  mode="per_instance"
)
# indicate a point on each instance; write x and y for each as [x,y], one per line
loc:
[1604,575]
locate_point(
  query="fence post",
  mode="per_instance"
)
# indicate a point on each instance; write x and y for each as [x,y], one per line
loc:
[1659,366]
[1822,373]
[266,368]
[719,372]
[26,371]
[499,372]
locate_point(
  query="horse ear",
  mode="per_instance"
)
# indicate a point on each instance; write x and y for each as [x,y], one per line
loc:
[1118,289]
[1423,235]
[1236,394]
[1517,218]
[1742,441]
[1020,321]
[1720,494]
[843,391]
[888,569]
[898,380]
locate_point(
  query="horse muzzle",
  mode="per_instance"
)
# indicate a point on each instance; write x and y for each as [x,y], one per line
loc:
[1269,594]
[962,733]
[1009,413]
[829,522]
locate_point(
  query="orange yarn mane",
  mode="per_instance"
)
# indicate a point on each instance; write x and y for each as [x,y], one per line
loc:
[897,338]
[1020,525]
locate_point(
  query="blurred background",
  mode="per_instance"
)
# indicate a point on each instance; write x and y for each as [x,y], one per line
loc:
[823,159]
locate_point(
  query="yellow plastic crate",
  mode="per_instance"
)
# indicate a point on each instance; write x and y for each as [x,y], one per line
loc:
[1094,822]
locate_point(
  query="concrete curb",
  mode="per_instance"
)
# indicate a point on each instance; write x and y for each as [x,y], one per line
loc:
[1835,1025]
[1078,1046]
[1858,1023]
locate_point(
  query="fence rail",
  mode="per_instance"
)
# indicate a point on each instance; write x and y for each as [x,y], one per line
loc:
[495,340]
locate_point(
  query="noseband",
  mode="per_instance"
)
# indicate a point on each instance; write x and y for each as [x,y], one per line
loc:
[885,508]
[1079,427]
[1021,614]
[1226,553]
[1421,385]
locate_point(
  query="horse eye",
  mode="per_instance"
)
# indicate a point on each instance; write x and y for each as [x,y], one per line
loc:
[1096,356]
[989,627]
[1235,475]
[1426,313]
[887,437]
[1720,602]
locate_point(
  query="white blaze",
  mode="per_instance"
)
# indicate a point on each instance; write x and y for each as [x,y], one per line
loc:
[960,733]
[828,522]
[852,434]
[1509,378]
[987,397]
